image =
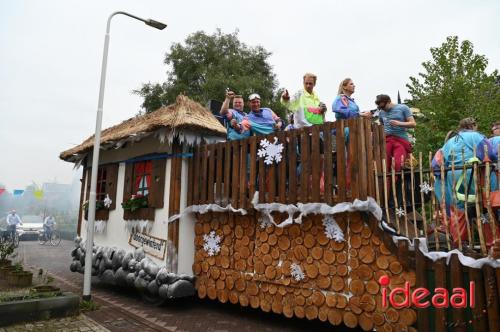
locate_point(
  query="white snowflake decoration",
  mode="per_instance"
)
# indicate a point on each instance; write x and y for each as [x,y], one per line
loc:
[425,187]
[265,222]
[107,201]
[270,151]
[400,212]
[484,219]
[212,243]
[296,272]
[332,229]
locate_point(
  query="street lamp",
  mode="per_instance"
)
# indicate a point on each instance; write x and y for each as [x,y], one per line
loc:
[95,156]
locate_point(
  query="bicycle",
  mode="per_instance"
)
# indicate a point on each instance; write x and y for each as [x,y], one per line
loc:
[6,236]
[54,240]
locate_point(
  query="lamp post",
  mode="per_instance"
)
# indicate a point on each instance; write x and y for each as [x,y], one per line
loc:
[95,155]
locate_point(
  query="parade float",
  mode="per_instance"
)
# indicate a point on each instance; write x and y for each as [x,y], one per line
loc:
[303,223]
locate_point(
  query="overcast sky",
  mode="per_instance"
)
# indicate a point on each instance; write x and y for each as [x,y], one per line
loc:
[51,51]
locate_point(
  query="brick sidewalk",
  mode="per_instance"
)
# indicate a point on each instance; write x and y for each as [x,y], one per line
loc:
[123,310]
[70,324]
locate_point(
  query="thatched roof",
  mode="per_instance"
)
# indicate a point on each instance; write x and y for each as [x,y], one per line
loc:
[184,114]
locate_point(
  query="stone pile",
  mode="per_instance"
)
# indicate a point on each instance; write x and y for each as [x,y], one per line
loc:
[132,269]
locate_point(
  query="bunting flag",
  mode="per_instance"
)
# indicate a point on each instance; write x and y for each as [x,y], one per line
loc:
[38,193]
[18,192]
[2,190]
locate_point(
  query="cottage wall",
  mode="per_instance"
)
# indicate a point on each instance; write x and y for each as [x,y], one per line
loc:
[116,233]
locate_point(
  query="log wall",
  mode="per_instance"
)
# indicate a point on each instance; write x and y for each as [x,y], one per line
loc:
[341,278]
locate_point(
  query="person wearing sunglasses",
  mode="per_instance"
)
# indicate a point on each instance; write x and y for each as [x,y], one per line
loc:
[396,118]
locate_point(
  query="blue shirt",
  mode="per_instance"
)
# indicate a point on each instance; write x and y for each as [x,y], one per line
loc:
[344,107]
[495,142]
[398,112]
[232,134]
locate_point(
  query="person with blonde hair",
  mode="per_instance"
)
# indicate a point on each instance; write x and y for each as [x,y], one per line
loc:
[305,105]
[344,106]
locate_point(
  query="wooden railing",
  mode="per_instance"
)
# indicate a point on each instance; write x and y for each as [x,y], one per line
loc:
[318,165]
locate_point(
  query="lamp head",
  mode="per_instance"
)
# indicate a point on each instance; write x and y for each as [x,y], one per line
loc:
[156,24]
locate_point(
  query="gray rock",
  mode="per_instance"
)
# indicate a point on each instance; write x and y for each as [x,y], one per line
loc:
[152,269]
[77,240]
[140,284]
[139,254]
[102,267]
[99,252]
[108,276]
[180,288]
[187,277]
[117,259]
[121,277]
[73,267]
[162,276]
[130,279]
[163,291]
[73,252]
[131,265]
[172,277]
[95,271]
[78,253]
[126,259]
[152,288]
[142,274]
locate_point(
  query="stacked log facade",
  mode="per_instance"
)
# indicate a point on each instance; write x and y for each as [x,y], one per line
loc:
[341,278]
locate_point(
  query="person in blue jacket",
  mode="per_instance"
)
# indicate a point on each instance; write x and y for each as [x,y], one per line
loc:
[344,106]
[458,150]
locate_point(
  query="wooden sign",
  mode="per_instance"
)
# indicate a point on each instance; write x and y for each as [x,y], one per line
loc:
[152,245]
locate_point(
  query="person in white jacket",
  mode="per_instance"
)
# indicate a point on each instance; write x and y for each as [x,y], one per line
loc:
[13,220]
[48,226]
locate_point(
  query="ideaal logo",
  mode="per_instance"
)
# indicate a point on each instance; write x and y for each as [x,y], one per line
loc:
[419,297]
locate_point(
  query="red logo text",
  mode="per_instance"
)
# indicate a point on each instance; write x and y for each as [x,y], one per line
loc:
[422,298]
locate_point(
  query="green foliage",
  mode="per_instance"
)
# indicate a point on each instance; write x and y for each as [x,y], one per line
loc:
[89,306]
[205,65]
[98,205]
[454,85]
[135,202]
[18,267]
[6,249]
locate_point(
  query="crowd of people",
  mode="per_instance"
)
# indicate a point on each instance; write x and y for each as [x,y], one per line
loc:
[464,147]
[305,108]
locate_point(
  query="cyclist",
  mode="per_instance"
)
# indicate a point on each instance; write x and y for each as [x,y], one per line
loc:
[48,226]
[13,220]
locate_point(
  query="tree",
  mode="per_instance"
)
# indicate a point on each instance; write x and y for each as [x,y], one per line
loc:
[453,86]
[205,65]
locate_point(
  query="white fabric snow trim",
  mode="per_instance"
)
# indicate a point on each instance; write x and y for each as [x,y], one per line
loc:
[369,205]
[143,226]
[435,255]
[204,208]
[99,226]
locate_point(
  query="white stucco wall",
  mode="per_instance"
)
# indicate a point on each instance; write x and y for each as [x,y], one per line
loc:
[116,234]
[186,229]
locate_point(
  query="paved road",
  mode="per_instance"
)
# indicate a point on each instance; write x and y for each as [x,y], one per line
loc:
[123,310]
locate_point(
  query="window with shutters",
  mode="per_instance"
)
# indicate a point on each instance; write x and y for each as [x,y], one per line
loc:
[142,177]
[101,184]
[107,178]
